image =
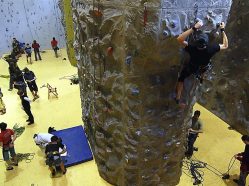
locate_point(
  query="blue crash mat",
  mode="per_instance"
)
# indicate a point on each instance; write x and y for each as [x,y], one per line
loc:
[78,150]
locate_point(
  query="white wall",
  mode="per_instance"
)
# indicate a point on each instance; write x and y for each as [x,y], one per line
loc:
[28,20]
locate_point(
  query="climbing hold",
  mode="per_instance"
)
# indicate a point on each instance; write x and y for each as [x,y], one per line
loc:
[128,60]
[109,51]
[135,91]
[165,33]
[97,13]
[172,24]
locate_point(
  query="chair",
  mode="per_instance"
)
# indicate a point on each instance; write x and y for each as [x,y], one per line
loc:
[52,90]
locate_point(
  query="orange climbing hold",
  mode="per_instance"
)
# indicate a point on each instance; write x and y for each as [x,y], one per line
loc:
[109,51]
[97,13]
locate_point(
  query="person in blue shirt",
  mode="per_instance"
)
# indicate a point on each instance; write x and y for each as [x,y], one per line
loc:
[28,51]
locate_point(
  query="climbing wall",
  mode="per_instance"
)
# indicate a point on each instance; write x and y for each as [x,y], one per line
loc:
[177,15]
[28,20]
[226,91]
[128,61]
[67,21]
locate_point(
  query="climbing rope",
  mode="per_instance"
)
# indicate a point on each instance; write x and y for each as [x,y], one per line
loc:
[191,167]
[27,157]
[18,130]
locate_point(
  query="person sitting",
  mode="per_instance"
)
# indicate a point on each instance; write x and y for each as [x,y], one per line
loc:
[200,54]
[54,156]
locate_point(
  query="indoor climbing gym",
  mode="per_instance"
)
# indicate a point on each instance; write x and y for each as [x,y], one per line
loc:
[124,92]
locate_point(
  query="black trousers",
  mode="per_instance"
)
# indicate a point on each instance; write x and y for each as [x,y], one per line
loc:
[242,178]
[37,52]
[29,113]
[11,82]
[191,140]
[32,86]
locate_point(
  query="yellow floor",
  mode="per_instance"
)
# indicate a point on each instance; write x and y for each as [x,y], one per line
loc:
[216,145]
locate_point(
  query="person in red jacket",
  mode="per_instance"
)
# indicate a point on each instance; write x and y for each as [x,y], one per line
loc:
[36,48]
[7,138]
[243,157]
[54,44]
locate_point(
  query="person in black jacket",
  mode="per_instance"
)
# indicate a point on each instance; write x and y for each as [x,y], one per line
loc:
[19,82]
[12,61]
[26,106]
[200,54]
[243,157]
[30,78]
[54,155]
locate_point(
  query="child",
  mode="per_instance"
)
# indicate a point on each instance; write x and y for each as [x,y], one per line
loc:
[28,52]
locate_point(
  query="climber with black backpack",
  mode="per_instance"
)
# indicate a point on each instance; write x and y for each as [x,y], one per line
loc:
[200,53]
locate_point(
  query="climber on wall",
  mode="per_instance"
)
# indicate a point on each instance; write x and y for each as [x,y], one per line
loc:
[200,54]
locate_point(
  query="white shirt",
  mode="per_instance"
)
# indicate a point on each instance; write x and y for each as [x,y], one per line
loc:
[42,139]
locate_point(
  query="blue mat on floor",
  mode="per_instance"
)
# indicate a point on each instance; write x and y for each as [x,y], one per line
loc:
[78,150]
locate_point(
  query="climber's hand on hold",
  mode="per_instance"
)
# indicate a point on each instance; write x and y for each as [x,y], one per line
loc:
[198,25]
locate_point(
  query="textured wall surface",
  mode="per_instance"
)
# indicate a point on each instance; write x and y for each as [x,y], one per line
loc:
[28,20]
[226,92]
[128,66]
[67,21]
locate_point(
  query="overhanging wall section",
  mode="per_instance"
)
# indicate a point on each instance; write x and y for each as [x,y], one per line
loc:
[128,66]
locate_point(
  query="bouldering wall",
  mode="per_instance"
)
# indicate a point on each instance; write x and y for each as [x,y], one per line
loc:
[226,91]
[29,20]
[128,62]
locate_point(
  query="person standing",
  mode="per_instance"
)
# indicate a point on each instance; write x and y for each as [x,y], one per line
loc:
[12,61]
[26,106]
[28,52]
[193,133]
[36,48]
[7,138]
[2,105]
[12,75]
[19,82]
[30,78]
[15,43]
[54,44]
[16,46]
[243,157]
